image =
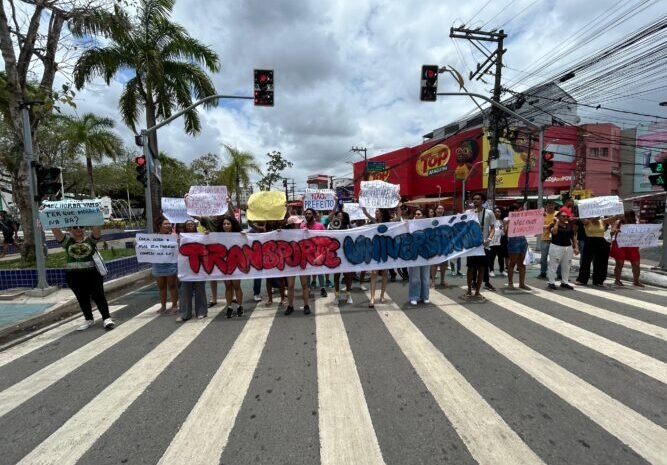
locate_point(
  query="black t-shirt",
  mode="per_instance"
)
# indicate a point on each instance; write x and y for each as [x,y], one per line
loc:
[564,235]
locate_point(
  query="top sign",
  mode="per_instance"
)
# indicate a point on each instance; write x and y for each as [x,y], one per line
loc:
[376,166]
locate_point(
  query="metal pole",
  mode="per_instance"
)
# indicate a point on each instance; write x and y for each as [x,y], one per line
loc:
[663,262]
[62,184]
[36,225]
[149,170]
[495,122]
[540,183]
[463,194]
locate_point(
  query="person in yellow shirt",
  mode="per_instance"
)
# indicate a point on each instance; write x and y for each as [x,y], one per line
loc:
[549,218]
[596,251]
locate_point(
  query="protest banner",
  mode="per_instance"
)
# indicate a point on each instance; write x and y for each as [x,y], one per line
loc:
[595,207]
[525,223]
[267,206]
[379,194]
[220,256]
[174,209]
[639,235]
[206,201]
[319,199]
[354,210]
[156,248]
[68,213]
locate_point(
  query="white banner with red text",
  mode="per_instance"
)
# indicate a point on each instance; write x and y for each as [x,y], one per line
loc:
[221,256]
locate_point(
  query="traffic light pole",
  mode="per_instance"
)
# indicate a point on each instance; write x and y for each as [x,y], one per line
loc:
[42,285]
[150,165]
[540,183]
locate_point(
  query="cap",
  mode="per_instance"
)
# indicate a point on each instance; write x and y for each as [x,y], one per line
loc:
[294,220]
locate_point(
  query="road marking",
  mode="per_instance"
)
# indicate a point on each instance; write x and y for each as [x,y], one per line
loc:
[71,441]
[204,434]
[346,429]
[15,395]
[486,435]
[642,435]
[630,357]
[43,339]
[634,302]
[626,321]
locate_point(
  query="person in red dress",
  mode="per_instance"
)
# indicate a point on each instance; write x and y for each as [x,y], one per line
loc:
[621,254]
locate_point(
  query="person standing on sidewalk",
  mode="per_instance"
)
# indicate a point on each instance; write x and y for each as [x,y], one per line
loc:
[82,275]
[563,247]
[190,289]
[621,254]
[496,248]
[596,252]
[478,265]
[549,218]
[166,274]
[418,290]
[516,250]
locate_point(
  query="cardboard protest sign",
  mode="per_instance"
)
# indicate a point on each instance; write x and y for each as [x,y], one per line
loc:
[220,256]
[319,199]
[526,223]
[156,248]
[379,194]
[639,235]
[354,210]
[267,206]
[68,213]
[174,209]
[595,207]
[206,201]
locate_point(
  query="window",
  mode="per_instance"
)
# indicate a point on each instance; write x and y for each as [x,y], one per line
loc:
[604,152]
[594,152]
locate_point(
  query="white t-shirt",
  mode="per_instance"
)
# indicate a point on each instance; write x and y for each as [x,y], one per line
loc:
[498,224]
[487,221]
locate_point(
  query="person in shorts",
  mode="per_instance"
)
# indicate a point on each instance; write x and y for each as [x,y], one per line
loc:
[478,265]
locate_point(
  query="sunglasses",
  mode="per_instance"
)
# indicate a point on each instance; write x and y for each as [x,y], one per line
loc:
[78,227]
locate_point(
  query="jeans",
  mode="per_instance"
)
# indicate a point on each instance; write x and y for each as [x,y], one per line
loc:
[496,251]
[419,281]
[87,285]
[257,286]
[188,288]
[544,256]
[560,258]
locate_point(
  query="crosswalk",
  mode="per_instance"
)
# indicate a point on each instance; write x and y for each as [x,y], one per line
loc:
[524,378]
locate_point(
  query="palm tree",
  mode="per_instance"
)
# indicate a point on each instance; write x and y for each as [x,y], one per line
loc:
[168,64]
[93,137]
[240,166]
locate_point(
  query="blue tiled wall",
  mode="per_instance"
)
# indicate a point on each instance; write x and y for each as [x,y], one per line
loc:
[56,276]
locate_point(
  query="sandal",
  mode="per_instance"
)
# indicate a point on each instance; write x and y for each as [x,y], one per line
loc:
[212,304]
[618,283]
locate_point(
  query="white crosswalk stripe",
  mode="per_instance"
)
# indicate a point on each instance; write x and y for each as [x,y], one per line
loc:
[348,429]
[636,302]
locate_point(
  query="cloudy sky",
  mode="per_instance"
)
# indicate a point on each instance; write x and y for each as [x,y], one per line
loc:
[347,72]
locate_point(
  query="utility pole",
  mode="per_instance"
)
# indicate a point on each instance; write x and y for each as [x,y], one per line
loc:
[477,38]
[358,150]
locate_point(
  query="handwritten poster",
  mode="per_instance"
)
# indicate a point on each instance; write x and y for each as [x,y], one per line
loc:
[526,223]
[156,248]
[68,213]
[174,209]
[206,201]
[319,199]
[379,194]
[354,210]
[639,235]
[595,207]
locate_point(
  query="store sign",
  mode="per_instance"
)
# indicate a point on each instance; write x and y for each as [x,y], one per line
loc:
[374,166]
[379,176]
[433,161]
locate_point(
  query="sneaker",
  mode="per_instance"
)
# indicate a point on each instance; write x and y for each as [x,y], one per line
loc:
[349,298]
[427,301]
[289,310]
[323,292]
[239,310]
[257,298]
[230,312]
[413,303]
[541,276]
[489,287]
[201,317]
[313,284]
[566,286]
[109,324]
[180,319]
[362,287]
[492,274]
[505,273]
[329,284]
[453,273]
[306,310]
[458,273]
[552,286]
[87,324]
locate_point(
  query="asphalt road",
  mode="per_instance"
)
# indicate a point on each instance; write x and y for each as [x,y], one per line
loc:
[566,377]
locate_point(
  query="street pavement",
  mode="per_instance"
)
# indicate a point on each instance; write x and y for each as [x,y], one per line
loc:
[565,377]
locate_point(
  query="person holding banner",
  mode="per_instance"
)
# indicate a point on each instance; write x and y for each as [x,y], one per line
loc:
[312,224]
[82,275]
[233,291]
[563,246]
[418,288]
[188,289]
[341,220]
[166,273]
[382,215]
[621,254]
[294,222]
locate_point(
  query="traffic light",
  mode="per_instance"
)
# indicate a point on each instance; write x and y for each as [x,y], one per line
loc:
[547,165]
[48,180]
[264,87]
[658,179]
[429,83]
[142,176]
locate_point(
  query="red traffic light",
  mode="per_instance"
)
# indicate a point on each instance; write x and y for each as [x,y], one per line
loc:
[140,160]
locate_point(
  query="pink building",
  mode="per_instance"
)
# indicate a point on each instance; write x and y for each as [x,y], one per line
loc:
[602,151]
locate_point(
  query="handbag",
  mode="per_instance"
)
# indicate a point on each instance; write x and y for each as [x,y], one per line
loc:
[99,264]
[529,259]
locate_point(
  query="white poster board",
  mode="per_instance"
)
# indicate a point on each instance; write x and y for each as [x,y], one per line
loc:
[67,213]
[639,235]
[596,207]
[319,199]
[157,248]
[379,194]
[354,210]
[174,209]
[206,201]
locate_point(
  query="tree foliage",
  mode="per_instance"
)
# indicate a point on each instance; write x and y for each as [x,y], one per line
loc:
[273,174]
